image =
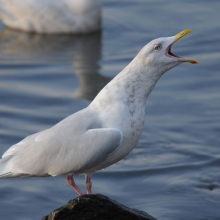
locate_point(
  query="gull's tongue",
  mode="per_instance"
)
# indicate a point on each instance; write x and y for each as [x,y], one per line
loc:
[171,54]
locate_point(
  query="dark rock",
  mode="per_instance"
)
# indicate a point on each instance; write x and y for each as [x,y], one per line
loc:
[96,207]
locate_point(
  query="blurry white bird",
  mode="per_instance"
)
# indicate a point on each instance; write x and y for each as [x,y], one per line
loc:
[52,16]
[101,134]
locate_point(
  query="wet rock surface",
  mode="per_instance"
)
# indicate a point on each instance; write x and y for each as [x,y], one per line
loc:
[96,207]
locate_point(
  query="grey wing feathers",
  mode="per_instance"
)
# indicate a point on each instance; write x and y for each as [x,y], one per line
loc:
[96,146]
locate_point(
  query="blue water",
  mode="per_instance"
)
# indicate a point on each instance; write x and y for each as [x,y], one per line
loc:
[174,172]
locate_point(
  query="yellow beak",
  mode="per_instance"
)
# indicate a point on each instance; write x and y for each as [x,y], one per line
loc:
[180,35]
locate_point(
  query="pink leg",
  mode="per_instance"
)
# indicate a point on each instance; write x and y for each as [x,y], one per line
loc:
[88,183]
[70,180]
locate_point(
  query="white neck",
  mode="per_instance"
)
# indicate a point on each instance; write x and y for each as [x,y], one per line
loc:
[130,87]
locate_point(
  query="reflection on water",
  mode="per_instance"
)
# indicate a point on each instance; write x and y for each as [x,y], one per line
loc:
[85,49]
[34,45]
[86,67]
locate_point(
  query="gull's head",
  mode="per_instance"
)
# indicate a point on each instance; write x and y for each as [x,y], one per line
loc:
[157,54]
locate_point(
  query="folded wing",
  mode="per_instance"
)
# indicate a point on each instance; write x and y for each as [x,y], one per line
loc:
[71,146]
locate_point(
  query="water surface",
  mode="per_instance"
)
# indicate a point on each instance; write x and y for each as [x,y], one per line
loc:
[174,172]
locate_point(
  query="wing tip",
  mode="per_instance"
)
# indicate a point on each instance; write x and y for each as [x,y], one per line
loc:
[6,175]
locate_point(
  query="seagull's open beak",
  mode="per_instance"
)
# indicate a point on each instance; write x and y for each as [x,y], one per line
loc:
[171,54]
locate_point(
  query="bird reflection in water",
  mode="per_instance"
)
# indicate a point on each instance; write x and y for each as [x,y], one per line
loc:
[84,49]
[86,67]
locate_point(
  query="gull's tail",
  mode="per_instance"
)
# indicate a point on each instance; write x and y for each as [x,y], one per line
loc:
[3,164]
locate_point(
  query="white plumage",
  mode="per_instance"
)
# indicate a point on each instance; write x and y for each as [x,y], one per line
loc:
[52,16]
[101,134]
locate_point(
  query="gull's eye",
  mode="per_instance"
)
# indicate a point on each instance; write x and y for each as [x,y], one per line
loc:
[157,47]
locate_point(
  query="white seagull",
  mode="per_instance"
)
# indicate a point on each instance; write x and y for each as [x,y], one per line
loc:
[52,16]
[101,134]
